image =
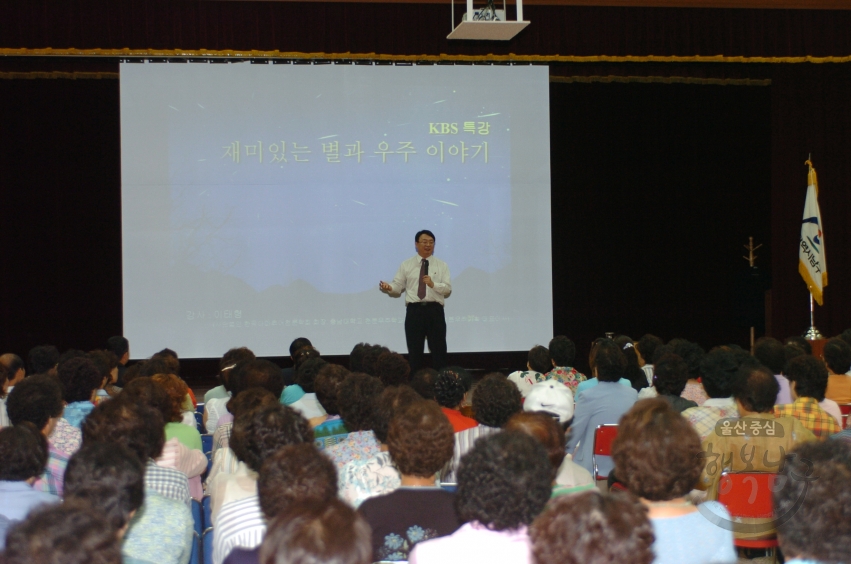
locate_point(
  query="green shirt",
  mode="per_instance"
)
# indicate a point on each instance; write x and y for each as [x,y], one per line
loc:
[188,436]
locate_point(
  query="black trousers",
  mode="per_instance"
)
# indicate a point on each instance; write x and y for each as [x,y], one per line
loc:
[425,321]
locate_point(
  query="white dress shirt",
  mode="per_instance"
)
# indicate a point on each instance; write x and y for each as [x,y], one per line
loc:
[407,279]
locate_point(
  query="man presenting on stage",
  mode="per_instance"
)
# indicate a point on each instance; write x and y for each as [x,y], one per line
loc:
[425,281]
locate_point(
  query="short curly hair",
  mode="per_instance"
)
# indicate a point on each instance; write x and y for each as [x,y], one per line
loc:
[608,360]
[254,398]
[42,358]
[670,375]
[719,367]
[800,342]
[176,390]
[306,373]
[138,427]
[691,353]
[105,361]
[257,373]
[504,481]
[356,401]
[837,355]
[144,390]
[562,351]
[449,388]
[392,369]
[810,376]
[657,451]
[420,439]
[392,400]
[545,430]
[496,400]
[423,382]
[257,434]
[70,533]
[605,528]
[769,351]
[36,399]
[356,357]
[370,358]
[295,473]
[647,346]
[23,450]
[539,359]
[79,378]
[327,386]
[756,387]
[812,506]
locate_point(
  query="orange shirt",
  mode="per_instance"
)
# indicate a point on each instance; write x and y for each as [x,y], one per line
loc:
[459,422]
[839,388]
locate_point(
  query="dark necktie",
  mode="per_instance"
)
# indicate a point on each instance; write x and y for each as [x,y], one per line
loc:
[421,290]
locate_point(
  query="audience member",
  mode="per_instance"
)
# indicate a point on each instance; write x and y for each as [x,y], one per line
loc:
[362,479]
[495,401]
[800,342]
[256,435]
[423,382]
[289,372]
[107,365]
[23,456]
[139,428]
[392,369]
[593,381]
[837,357]
[329,429]
[633,371]
[601,404]
[38,400]
[692,354]
[80,380]
[590,528]
[120,347]
[538,362]
[226,365]
[180,424]
[503,484]
[43,359]
[305,377]
[772,354]
[292,474]
[356,357]
[15,369]
[813,504]
[68,533]
[719,368]
[808,381]
[670,378]
[645,349]
[370,358]
[358,395]
[562,355]
[317,533]
[568,477]
[420,443]
[257,373]
[449,391]
[658,458]
[4,391]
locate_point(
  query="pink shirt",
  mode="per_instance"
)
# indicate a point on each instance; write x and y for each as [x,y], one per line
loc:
[474,543]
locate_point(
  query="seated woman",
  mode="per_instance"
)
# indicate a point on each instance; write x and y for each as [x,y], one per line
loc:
[80,381]
[590,528]
[671,375]
[357,397]
[107,364]
[329,429]
[176,426]
[420,442]
[657,457]
[450,392]
[503,484]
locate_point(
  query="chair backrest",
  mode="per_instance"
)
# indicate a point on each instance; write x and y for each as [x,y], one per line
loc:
[603,437]
[845,408]
[747,494]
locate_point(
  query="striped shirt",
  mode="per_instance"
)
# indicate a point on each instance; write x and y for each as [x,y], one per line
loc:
[240,524]
[168,482]
[464,441]
[53,479]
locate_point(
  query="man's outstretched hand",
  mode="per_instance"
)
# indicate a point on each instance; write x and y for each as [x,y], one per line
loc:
[385,287]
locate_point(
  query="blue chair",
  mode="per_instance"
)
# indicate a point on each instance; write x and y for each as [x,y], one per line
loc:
[195,555]
[207,443]
[207,511]
[199,422]
[208,545]
[198,518]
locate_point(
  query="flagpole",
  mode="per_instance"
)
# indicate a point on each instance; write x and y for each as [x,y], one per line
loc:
[812,333]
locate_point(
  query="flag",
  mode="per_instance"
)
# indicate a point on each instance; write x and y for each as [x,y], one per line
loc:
[811,259]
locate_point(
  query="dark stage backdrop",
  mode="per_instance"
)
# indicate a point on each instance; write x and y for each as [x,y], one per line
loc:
[655,189]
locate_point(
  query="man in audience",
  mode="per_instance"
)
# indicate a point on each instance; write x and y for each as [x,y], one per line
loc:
[503,484]
[538,362]
[808,381]
[600,404]
[562,354]
[757,441]
[43,359]
[329,429]
[420,443]
[256,435]
[812,505]
[297,344]
[292,474]
[645,348]
[593,529]
[362,479]
[141,430]
[495,401]
[772,354]
[357,398]
[38,400]
[120,347]
[68,533]
[837,357]
[226,366]
[392,369]
[23,456]
[318,533]
[719,367]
